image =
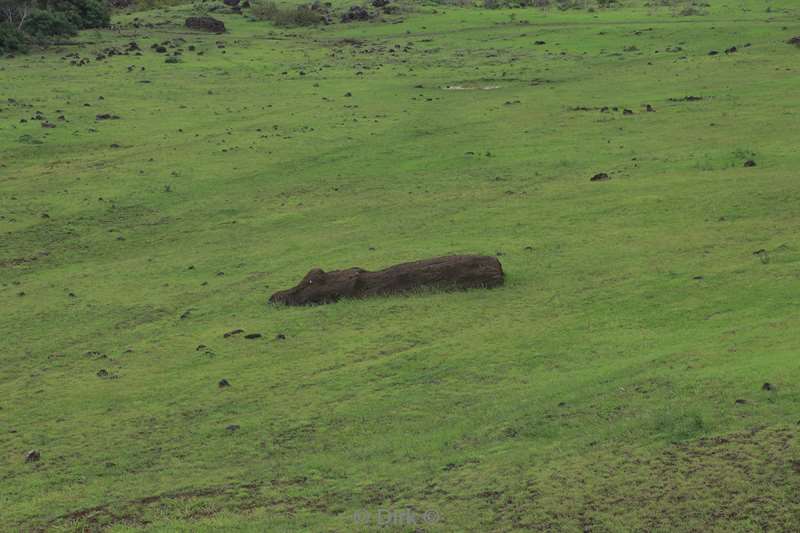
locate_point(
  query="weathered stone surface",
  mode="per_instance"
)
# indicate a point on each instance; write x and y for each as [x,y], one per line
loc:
[205,24]
[445,273]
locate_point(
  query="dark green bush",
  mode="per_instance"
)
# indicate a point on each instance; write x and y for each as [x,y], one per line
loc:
[299,16]
[42,23]
[11,39]
[94,14]
[264,10]
[153,4]
[33,21]
[289,16]
[84,14]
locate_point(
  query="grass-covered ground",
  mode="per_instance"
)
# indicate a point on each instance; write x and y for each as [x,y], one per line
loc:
[614,383]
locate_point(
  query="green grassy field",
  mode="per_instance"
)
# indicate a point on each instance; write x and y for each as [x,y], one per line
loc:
[613,384]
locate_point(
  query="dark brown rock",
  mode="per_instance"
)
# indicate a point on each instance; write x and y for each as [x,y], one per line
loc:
[601,176]
[686,99]
[445,273]
[355,13]
[205,24]
[32,456]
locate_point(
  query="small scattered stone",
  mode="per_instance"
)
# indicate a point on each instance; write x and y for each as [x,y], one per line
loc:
[749,163]
[253,336]
[224,383]
[602,176]
[233,332]
[32,456]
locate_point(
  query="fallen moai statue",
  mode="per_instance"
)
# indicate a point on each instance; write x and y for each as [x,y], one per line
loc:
[445,273]
[205,24]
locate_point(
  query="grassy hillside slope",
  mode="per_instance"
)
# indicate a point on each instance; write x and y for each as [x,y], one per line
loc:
[616,383]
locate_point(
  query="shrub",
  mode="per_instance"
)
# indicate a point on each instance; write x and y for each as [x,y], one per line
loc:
[42,23]
[691,11]
[290,16]
[22,21]
[95,14]
[264,10]
[11,39]
[153,4]
[301,16]
[84,14]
